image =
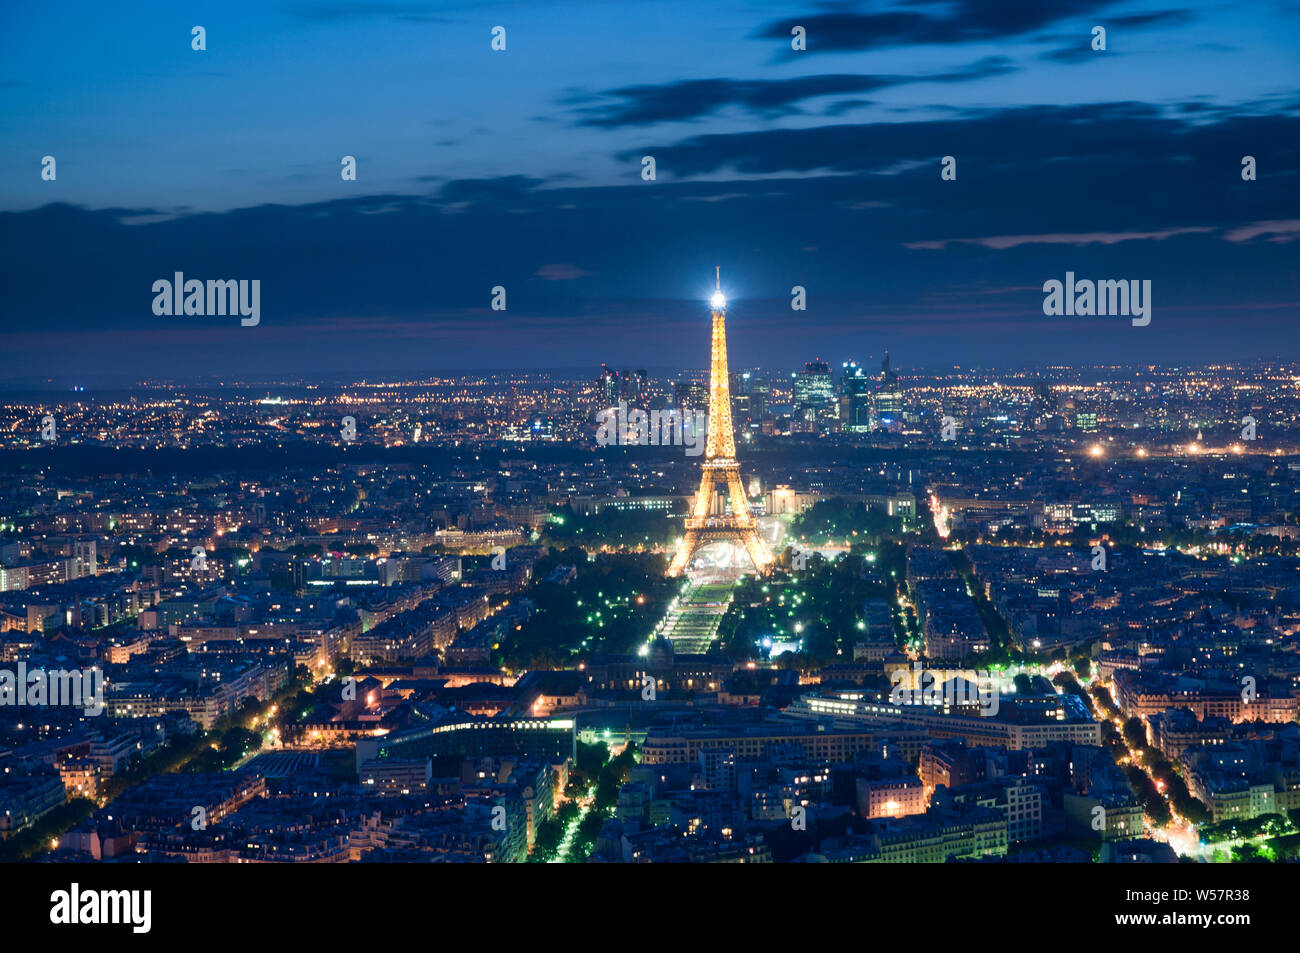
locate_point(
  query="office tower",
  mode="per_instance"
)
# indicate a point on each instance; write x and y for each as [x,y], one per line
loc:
[814,392]
[889,396]
[608,386]
[634,386]
[855,398]
[742,408]
[690,394]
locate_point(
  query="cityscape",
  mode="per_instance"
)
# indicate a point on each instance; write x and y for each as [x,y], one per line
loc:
[1034,616]
[858,432]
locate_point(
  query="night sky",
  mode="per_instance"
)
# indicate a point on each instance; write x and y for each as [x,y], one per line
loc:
[522,169]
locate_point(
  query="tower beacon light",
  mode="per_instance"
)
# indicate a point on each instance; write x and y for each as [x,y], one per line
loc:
[718,301]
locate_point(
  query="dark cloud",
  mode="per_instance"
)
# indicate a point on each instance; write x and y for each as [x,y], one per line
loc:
[695,99]
[506,189]
[959,22]
[1078,51]
[1081,144]
[1154,18]
[1077,47]
[397,281]
[842,106]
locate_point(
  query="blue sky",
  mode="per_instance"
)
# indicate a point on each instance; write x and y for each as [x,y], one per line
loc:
[522,168]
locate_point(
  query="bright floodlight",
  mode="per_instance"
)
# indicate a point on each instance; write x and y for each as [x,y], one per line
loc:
[718,301]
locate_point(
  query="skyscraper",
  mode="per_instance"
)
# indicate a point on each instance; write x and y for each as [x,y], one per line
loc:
[814,393]
[608,386]
[855,398]
[889,397]
[742,410]
[634,386]
[689,393]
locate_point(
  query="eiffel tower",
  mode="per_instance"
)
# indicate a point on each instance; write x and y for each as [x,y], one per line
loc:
[720,467]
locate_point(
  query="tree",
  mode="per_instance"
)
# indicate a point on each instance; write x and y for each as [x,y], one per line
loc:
[1248,854]
[1135,733]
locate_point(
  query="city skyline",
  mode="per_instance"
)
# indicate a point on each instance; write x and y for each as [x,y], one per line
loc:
[429,600]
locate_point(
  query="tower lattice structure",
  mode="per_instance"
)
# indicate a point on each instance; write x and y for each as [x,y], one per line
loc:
[720,468]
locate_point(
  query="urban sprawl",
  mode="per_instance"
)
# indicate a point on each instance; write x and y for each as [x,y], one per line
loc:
[1011,615]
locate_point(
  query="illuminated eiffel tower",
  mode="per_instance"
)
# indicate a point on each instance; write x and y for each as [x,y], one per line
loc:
[720,467]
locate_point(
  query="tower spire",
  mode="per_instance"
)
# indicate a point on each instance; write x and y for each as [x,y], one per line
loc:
[718,284]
